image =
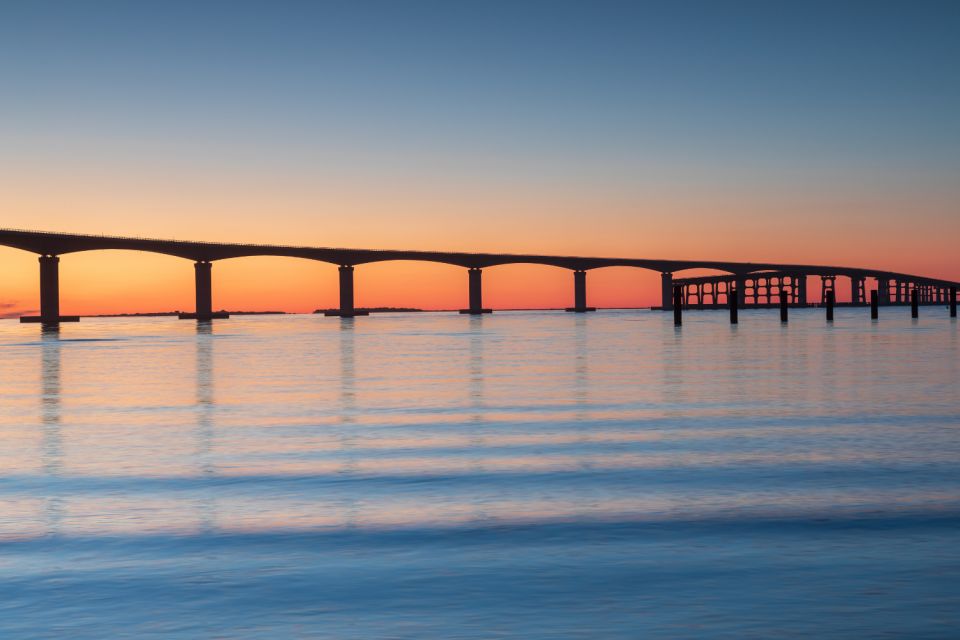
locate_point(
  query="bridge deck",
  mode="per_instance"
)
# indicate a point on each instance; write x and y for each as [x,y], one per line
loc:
[51,243]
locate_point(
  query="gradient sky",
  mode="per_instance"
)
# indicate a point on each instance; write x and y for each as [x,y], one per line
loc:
[796,132]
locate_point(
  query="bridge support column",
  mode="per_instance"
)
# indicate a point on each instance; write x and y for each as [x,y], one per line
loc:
[476,293]
[203,278]
[883,291]
[346,310]
[666,291]
[741,285]
[580,292]
[828,285]
[49,294]
[857,292]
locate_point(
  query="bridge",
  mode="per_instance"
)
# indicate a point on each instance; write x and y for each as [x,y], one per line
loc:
[753,284]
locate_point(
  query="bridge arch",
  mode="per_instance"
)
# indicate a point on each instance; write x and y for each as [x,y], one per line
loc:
[623,286]
[419,284]
[118,281]
[273,283]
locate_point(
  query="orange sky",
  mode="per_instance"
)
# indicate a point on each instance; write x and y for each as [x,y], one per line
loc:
[875,230]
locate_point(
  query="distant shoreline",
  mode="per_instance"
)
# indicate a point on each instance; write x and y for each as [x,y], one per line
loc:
[161,314]
[157,314]
[378,310]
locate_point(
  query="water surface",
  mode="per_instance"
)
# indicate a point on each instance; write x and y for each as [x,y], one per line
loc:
[525,474]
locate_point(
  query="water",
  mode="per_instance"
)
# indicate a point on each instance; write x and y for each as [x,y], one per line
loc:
[535,475]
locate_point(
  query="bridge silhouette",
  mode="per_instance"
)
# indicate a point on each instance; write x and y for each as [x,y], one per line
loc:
[754,284]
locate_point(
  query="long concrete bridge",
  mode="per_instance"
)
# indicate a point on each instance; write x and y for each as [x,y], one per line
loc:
[754,284]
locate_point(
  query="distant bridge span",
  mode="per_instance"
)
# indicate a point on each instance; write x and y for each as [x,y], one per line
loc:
[757,284]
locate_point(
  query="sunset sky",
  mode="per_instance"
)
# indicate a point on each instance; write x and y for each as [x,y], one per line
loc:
[809,132]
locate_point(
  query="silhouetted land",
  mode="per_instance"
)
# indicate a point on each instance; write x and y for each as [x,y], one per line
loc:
[379,310]
[154,314]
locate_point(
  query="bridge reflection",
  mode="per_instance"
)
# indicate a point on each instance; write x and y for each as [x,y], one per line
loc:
[52,442]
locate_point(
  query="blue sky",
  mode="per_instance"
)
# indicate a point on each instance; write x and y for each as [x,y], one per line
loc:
[774,85]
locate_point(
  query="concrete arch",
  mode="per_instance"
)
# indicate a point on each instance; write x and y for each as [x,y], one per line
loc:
[416,284]
[725,272]
[117,281]
[273,283]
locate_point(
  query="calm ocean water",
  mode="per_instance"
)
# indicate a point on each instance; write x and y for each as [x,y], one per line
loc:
[525,474]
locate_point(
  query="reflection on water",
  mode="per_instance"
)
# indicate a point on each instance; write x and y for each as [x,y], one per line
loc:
[205,409]
[522,474]
[205,398]
[52,449]
[347,439]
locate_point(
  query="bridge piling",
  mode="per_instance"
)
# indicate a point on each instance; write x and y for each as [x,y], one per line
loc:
[802,289]
[677,305]
[857,291]
[783,306]
[740,283]
[580,292]
[666,291]
[733,303]
[831,297]
[476,293]
[203,280]
[49,294]
[914,303]
[874,305]
[347,309]
[883,288]
[49,288]
[204,289]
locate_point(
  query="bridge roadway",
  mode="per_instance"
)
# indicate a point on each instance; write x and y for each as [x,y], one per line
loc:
[763,279]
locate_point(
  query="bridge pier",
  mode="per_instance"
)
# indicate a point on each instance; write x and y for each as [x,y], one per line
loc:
[678,304]
[801,281]
[883,291]
[49,294]
[203,279]
[666,291]
[475,275]
[857,291]
[580,292]
[828,286]
[346,310]
[740,284]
